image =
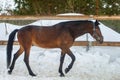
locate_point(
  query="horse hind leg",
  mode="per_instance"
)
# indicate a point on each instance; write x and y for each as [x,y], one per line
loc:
[16,55]
[26,60]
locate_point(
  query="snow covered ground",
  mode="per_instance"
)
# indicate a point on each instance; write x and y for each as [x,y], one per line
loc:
[99,63]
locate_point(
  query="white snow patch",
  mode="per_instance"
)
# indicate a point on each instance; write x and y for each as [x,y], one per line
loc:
[92,65]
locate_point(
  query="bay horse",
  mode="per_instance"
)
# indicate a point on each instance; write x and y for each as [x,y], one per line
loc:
[61,35]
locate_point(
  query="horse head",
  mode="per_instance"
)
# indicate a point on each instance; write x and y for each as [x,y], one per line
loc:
[96,32]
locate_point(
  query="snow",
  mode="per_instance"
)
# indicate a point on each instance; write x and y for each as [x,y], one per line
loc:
[6,29]
[47,22]
[6,5]
[92,65]
[109,34]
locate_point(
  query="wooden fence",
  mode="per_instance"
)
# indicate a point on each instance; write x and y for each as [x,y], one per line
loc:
[59,17]
[77,43]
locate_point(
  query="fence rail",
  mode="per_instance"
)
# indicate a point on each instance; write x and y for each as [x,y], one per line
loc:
[59,17]
[79,43]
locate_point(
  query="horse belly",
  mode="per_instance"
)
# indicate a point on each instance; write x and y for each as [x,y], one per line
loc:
[46,44]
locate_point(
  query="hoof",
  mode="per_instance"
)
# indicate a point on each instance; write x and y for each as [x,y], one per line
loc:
[9,72]
[32,74]
[67,70]
[62,75]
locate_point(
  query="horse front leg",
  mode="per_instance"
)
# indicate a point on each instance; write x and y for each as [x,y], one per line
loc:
[72,62]
[61,64]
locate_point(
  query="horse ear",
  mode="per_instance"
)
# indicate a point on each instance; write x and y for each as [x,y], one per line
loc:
[96,23]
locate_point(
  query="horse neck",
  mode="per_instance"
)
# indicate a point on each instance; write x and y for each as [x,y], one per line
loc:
[81,30]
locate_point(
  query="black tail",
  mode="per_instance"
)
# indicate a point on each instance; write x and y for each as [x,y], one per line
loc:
[9,46]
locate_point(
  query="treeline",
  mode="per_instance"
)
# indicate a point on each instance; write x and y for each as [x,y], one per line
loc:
[53,7]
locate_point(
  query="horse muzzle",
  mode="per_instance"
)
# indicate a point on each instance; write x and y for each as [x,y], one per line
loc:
[100,40]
